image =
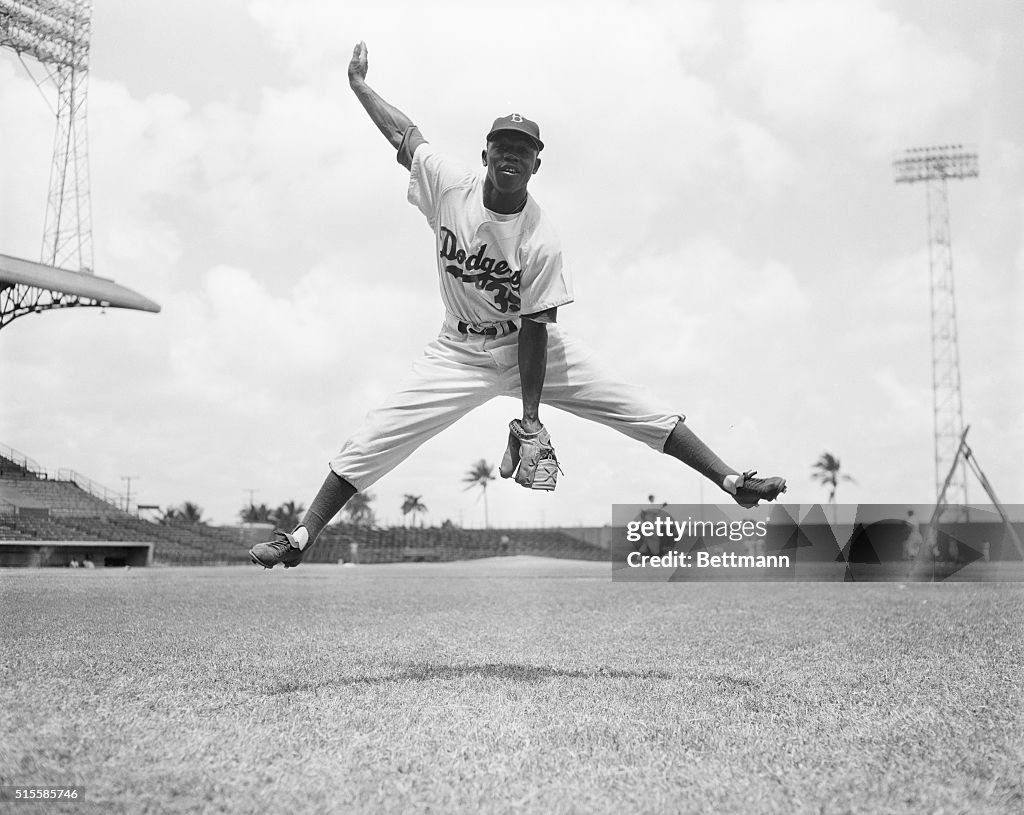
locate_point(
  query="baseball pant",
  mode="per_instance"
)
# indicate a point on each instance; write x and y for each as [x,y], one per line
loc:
[459,372]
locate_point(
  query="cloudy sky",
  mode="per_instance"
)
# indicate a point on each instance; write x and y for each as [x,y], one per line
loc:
[720,174]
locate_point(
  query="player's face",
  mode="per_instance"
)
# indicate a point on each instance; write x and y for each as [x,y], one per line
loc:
[511,158]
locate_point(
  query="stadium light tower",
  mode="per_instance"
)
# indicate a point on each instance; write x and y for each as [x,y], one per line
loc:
[935,166]
[56,34]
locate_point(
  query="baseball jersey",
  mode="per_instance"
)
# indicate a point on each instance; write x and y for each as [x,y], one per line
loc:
[491,267]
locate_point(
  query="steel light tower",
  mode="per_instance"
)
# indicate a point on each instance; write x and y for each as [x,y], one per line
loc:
[56,34]
[934,166]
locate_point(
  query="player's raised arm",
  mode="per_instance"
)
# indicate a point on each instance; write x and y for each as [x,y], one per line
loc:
[395,125]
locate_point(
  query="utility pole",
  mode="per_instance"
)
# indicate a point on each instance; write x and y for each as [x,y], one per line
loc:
[128,492]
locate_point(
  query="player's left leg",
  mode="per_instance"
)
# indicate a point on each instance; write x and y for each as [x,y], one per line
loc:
[746,488]
[576,384]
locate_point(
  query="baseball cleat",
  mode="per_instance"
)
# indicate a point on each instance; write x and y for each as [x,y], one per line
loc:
[746,490]
[281,549]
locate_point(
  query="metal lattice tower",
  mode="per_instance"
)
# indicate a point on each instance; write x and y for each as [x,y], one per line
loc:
[56,33]
[934,166]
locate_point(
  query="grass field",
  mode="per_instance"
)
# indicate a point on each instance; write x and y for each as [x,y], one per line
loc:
[507,685]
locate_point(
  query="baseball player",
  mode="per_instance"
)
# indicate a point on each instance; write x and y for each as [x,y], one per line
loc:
[502,282]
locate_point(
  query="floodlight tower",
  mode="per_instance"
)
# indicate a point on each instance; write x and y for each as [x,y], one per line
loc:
[56,34]
[934,166]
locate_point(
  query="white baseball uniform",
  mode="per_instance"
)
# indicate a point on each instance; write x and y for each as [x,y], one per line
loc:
[492,268]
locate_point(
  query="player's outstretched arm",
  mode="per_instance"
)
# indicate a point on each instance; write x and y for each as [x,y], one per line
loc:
[395,125]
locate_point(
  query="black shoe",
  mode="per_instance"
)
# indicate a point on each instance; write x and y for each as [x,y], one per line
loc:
[281,549]
[748,490]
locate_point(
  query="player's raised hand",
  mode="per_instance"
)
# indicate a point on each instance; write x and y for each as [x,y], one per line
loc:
[358,66]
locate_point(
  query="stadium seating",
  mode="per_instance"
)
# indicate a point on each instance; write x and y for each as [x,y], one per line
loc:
[60,497]
[35,507]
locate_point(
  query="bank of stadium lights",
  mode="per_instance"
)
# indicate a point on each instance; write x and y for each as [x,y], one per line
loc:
[56,34]
[935,166]
[934,163]
[53,32]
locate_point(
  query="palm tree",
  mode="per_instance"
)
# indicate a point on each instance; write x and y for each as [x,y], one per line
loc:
[359,510]
[253,514]
[826,471]
[480,475]
[413,504]
[193,513]
[288,515]
[187,513]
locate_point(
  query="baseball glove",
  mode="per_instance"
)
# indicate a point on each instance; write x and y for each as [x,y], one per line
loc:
[530,457]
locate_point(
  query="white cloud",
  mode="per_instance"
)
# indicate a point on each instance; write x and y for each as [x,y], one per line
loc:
[853,67]
[691,308]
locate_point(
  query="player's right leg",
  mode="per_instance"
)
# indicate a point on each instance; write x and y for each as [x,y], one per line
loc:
[451,378]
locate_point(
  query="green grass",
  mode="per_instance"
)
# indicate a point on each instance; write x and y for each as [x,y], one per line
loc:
[514,685]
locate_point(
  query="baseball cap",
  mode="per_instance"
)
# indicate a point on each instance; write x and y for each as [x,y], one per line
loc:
[518,123]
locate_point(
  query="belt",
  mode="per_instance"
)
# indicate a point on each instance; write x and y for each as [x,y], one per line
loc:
[498,329]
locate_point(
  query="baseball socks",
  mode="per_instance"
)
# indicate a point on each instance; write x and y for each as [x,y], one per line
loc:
[745,489]
[684,445]
[333,495]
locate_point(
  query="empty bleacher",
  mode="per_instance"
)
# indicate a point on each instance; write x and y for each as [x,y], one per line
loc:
[37,507]
[59,497]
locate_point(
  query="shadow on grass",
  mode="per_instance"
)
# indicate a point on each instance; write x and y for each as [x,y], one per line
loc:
[430,672]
